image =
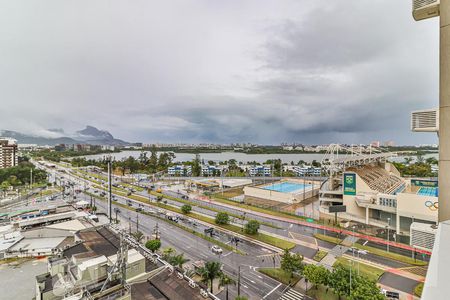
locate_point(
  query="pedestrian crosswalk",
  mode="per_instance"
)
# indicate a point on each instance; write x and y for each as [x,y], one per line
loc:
[270,259]
[292,295]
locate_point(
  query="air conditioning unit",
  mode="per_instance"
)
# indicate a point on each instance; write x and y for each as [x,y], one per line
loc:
[424,9]
[426,120]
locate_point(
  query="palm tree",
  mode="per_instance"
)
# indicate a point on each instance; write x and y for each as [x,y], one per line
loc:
[225,281]
[167,252]
[210,271]
[138,235]
[179,260]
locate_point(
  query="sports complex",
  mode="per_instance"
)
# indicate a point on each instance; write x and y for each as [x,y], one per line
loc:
[289,191]
[367,188]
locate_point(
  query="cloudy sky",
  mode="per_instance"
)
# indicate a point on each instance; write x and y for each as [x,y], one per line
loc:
[276,71]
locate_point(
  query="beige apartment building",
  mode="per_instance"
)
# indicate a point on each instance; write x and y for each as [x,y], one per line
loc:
[8,153]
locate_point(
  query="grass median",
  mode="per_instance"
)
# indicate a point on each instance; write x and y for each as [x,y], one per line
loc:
[418,289]
[326,238]
[280,275]
[391,255]
[370,272]
[320,255]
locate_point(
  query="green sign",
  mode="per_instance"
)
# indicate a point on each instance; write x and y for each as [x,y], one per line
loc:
[424,183]
[349,184]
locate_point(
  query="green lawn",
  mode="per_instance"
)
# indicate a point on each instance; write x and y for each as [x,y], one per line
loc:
[280,275]
[320,255]
[394,256]
[370,272]
[418,290]
[327,238]
[322,294]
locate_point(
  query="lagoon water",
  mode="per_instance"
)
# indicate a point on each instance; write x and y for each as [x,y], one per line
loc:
[223,156]
[240,157]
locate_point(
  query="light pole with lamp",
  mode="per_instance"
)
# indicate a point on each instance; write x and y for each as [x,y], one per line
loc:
[389,225]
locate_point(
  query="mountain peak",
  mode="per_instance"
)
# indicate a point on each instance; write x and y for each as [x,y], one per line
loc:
[91,131]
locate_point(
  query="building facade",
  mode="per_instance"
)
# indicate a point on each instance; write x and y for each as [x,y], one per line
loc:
[179,170]
[8,153]
[260,171]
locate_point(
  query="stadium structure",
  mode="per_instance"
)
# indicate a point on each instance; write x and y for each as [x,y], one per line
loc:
[364,186]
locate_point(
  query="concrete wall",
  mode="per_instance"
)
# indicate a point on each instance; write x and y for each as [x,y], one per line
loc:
[413,206]
[268,195]
[350,202]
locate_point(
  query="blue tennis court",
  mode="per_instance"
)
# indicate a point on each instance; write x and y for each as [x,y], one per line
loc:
[287,187]
[428,191]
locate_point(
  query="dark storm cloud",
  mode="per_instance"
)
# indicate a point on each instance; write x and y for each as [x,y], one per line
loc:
[259,71]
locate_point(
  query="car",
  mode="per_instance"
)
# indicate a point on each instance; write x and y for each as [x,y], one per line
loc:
[216,249]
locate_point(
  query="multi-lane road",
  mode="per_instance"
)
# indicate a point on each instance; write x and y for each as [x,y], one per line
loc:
[254,284]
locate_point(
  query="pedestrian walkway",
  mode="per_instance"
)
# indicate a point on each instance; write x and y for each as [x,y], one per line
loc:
[339,250]
[292,295]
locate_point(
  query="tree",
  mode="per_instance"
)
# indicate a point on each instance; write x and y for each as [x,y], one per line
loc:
[365,290]
[315,163]
[143,159]
[196,167]
[210,271]
[153,161]
[138,235]
[291,262]
[316,274]
[167,253]
[178,260]
[159,198]
[339,280]
[186,209]
[251,227]
[431,161]
[225,281]
[153,245]
[222,218]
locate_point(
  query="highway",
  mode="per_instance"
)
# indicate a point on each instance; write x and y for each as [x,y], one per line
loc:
[253,284]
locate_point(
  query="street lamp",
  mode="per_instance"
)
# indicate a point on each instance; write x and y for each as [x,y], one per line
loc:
[389,224]
[239,277]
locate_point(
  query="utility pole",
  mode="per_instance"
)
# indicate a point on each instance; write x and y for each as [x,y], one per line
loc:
[109,191]
[389,224]
[137,221]
[239,280]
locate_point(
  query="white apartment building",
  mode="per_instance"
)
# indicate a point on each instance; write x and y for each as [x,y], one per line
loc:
[307,171]
[179,170]
[260,171]
[210,170]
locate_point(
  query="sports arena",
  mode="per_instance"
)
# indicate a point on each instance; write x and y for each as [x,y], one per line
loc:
[365,187]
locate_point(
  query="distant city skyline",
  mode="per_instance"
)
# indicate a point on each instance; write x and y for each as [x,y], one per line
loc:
[263,72]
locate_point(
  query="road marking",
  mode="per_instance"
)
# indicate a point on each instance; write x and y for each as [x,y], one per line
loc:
[365,243]
[274,289]
[227,254]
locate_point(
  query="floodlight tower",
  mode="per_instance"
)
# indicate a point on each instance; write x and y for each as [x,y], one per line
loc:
[424,9]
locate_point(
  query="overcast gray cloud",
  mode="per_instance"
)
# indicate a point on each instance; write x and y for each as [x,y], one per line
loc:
[218,71]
